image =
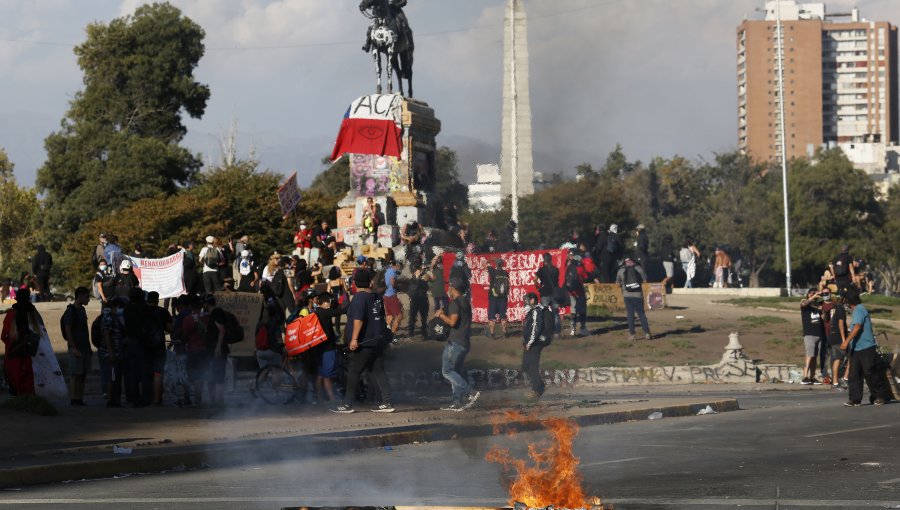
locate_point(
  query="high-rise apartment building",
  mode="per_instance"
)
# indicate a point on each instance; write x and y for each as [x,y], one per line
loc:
[840,81]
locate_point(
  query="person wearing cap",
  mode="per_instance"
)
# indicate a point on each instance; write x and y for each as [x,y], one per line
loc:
[459,317]
[125,281]
[610,254]
[242,244]
[211,258]
[863,349]
[248,276]
[631,277]
[367,336]
[843,269]
[99,251]
[813,334]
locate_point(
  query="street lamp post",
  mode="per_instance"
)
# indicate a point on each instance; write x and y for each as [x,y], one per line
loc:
[779,37]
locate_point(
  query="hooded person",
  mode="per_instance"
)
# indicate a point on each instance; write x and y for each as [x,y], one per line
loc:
[21,334]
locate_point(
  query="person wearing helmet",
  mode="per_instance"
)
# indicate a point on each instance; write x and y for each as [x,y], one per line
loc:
[248,276]
[125,281]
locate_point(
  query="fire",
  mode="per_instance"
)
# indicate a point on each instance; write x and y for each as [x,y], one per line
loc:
[553,477]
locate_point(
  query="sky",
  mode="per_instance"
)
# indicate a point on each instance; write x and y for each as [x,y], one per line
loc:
[656,76]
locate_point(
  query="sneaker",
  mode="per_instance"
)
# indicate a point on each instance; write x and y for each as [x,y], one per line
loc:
[851,404]
[453,407]
[572,331]
[631,338]
[836,386]
[815,381]
[826,380]
[343,409]
[384,408]
[843,383]
[647,336]
[879,402]
[470,401]
[805,381]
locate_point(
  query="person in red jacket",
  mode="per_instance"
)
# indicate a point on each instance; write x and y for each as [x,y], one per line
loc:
[19,321]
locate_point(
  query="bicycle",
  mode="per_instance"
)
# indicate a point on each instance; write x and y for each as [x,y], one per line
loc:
[278,384]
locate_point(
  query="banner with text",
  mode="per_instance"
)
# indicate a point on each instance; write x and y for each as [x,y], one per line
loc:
[288,195]
[521,267]
[165,275]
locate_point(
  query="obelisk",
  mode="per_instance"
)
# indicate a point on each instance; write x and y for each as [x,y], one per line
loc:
[515,147]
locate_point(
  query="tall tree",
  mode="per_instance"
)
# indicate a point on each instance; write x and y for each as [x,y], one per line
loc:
[446,179]
[18,209]
[119,141]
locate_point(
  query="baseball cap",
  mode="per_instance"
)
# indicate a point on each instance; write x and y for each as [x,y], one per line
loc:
[210,239]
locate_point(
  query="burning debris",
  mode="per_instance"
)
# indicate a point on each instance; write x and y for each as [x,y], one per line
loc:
[552,480]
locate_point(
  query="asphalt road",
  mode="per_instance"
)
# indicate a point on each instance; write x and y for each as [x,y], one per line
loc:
[784,450]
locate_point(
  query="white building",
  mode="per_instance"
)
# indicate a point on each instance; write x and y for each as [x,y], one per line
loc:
[484,193]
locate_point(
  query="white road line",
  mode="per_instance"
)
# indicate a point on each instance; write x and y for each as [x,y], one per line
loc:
[874,427]
[613,461]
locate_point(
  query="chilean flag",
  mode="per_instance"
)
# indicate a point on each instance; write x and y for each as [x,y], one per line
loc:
[371,126]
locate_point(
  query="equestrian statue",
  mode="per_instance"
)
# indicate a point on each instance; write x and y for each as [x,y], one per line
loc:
[389,33]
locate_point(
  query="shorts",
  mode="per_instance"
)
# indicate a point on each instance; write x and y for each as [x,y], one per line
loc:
[811,344]
[392,306]
[79,366]
[217,369]
[837,353]
[328,363]
[159,363]
[198,366]
[497,306]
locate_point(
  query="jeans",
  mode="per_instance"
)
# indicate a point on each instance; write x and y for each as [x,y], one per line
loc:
[687,280]
[579,311]
[635,306]
[531,365]
[211,282]
[452,368]
[373,361]
[441,303]
[862,368]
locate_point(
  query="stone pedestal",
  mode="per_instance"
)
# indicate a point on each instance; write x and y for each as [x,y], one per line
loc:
[403,187]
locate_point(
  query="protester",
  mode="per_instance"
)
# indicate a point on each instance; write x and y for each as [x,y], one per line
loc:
[248,276]
[212,259]
[435,279]
[40,267]
[125,281]
[668,259]
[162,320]
[837,335]
[270,331]
[303,242]
[843,269]
[575,278]
[392,306]
[103,284]
[498,295]
[547,279]
[199,356]
[641,246]
[417,289]
[537,334]
[862,345]
[113,330]
[459,317]
[368,336]
[20,335]
[609,256]
[182,305]
[77,335]
[327,350]
[281,286]
[813,334]
[99,250]
[722,268]
[631,277]
[689,255]
[218,348]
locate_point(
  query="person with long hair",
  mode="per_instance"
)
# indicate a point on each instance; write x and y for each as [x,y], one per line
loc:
[21,332]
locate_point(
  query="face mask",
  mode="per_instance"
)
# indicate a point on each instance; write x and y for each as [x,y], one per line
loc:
[102,269]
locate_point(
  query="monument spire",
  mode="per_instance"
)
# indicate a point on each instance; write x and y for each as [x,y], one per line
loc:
[515,148]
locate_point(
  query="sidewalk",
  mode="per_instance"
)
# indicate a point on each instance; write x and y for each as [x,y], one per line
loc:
[79,443]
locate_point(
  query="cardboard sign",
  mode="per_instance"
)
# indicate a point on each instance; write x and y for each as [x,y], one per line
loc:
[289,195]
[246,306]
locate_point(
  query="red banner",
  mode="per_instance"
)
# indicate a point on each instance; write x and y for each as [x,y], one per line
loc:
[521,267]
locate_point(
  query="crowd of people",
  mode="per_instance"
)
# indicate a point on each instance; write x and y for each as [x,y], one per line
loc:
[838,336]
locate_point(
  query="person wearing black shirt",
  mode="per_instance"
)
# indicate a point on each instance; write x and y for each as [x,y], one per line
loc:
[498,295]
[327,350]
[77,335]
[217,348]
[418,301]
[641,246]
[843,270]
[837,335]
[813,334]
[368,335]
[158,352]
[40,267]
[459,317]
[548,284]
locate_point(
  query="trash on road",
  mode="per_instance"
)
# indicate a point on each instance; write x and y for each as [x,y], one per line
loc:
[121,450]
[655,416]
[679,316]
[707,410]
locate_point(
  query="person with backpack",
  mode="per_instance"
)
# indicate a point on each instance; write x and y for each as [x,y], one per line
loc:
[459,317]
[498,295]
[124,282]
[843,269]
[631,278]
[547,277]
[211,258]
[537,333]
[74,326]
[368,336]
[575,278]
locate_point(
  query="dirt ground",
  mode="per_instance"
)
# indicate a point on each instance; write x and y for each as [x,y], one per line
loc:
[693,330]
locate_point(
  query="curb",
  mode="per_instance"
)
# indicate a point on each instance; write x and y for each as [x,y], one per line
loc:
[331,443]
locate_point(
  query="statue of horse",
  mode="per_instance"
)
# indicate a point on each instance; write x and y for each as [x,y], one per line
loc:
[389,34]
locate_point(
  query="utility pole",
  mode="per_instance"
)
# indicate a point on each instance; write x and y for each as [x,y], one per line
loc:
[779,37]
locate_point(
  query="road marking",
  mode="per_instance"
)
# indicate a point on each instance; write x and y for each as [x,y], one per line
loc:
[613,461]
[736,502]
[888,482]
[874,427]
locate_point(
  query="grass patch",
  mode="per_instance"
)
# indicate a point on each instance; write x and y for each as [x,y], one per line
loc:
[683,344]
[753,321]
[33,404]
[624,344]
[552,364]
[764,301]
[775,341]
[696,363]
[611,362]
[882,300]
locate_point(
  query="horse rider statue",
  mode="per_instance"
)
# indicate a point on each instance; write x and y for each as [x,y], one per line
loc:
[389,33]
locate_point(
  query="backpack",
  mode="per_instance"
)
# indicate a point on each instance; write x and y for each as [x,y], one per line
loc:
[262,338]
[151,333]
[500,285]
[633,280]
[438,329]
[244,267]
[211,259]
[97,333]
[549,326]
[234,332]
[685,255]
[62,322]
[840,267]
[573,279]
